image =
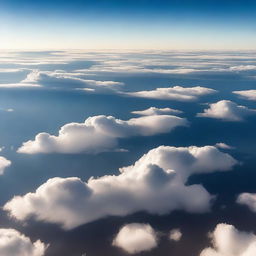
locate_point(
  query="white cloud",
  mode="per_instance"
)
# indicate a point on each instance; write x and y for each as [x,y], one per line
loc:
[247,94]
[137,68]
[135,238]
[159,176]
[248,199]
[174,93]
[243,68]
[156,111]
[228,241]
[11,70]
[13,243]
[19,85]
[4,163]
[227,111]
[7,109]
[99,134]
[175,235]
[223,145]
[61,79]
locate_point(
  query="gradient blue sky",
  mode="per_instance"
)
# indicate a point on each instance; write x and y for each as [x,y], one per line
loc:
[131,24]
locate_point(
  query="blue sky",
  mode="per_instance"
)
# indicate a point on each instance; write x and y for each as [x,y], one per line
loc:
[150,24]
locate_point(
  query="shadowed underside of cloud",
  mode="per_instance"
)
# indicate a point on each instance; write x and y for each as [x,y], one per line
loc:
[156,111]
[135,238]
[156,183]
[13,243]
[4,163]
[99,134]
[247,94]
[227,110]
[228,241]
[174,93]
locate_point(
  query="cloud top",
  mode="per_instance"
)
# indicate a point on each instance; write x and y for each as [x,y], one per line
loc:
[156,111]
[134,238]
[160,176]
[99,134]
[247,94]
[178,93]
[227,110]
[248,199]
[228,241]
[13,243]
[175,235]
[4,163]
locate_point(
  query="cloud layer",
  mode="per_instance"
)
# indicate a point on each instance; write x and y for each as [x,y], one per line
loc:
[174,93]
[135,238]
[64,80]
[228,241]
[99,134]
[159,176]
[13,243]
[227,110]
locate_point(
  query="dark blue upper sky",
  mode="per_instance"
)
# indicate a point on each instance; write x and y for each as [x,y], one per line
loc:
[141,24]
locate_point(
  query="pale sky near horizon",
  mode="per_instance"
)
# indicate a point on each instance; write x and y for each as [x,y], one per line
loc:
[143,24]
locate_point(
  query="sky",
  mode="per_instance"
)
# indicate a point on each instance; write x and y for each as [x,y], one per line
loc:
[142,24]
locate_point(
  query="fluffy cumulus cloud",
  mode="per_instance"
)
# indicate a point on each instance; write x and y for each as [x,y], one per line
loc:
[228,241]
[4,163]
[135,238]
[156,111]
[99,134]
[248,199]
[247,94]
[13,243]
[227,110]
[160,176]
[174,93]
[175,235]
